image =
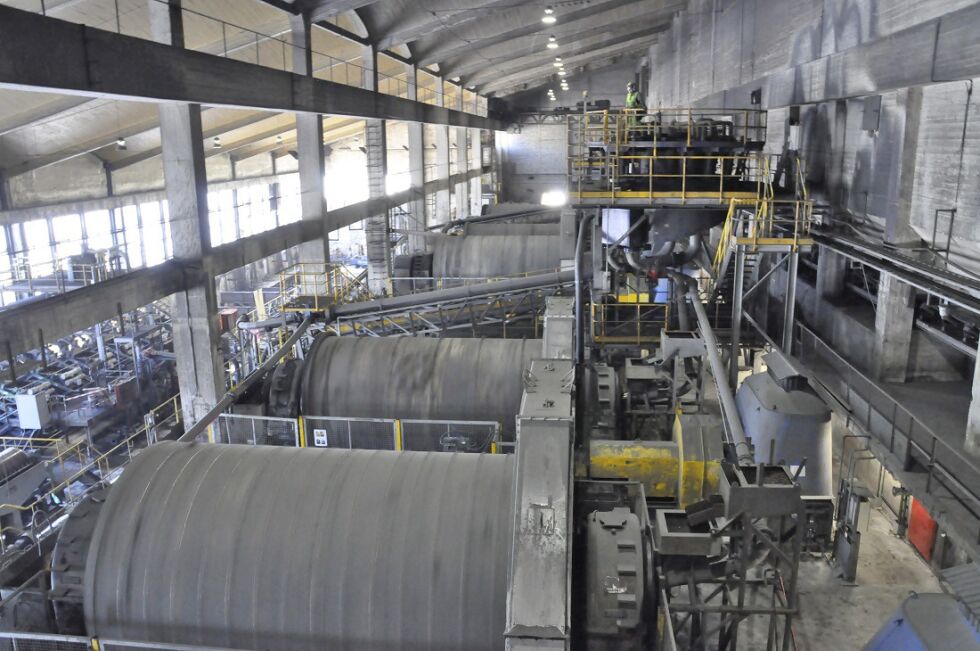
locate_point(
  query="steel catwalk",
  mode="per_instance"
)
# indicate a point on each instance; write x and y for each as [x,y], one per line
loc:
[301,549]
[415,377]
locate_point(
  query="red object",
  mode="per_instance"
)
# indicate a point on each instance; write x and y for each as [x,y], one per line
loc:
[922,530]
[652,274]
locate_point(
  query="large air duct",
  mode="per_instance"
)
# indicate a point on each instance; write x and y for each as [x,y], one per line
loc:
[417,378]
[300,549]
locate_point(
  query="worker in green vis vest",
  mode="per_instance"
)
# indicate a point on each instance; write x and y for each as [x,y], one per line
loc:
[634,102]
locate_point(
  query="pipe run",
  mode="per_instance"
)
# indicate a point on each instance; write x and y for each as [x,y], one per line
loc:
[733,427]
[579,322]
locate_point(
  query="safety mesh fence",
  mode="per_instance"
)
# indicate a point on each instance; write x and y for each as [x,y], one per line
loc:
[449,436]
[255,430]
[356,433]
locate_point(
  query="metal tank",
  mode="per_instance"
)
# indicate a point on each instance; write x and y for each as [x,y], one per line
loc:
[417,378]
[301,549]
[778,409]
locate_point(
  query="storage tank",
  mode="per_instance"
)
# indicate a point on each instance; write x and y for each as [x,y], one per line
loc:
[778,406]
[297,549]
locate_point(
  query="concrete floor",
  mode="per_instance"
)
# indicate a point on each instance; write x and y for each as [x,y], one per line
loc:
[840,616]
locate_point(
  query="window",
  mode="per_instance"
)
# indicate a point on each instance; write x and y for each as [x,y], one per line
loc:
[153,233]
[98,230]
[134,237]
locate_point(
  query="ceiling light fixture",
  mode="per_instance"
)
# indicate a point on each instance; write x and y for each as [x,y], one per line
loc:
[216,143]
[549,17]
[278,140]
[562,73]
[552,43]
[121,144]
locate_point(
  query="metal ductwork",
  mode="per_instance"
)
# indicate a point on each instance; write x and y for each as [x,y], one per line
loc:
[410,378]
[300,549]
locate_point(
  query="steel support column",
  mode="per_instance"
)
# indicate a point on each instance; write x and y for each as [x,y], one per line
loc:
[737,294]
[789,308]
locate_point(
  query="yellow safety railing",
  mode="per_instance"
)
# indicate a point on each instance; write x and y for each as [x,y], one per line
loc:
[603,163]
[72,461]
[317,285]
[629,323]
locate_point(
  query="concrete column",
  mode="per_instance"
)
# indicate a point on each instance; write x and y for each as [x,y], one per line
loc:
[462,164]
[416,167]
[309,147]
[898,225]
[893,329]
[200,368]
[973,417]
[476,184]
[831,268]
[442,164]
[376,228]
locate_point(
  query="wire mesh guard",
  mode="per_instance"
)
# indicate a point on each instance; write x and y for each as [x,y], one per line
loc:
[359,433]
[449,436]
[256,430]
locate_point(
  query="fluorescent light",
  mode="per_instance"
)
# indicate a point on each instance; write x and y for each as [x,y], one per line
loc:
[121,144]
[552,42]
[558,64]
[549,20]
[216,143]
[562,73]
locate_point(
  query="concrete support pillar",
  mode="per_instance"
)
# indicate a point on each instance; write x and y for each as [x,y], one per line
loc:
[416,169]
[309,148]
[462,164]
[376,228]
[893,329]
[973,417]
[442,164]
[200,368]
[898,225]
[476,184]
[831,268]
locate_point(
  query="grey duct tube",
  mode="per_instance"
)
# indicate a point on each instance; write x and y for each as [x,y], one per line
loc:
[417,378]
[720,374]
[290,549]
[229,398]
[579,321]
[454,293]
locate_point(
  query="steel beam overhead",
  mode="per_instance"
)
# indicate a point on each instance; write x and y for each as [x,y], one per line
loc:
[46,54]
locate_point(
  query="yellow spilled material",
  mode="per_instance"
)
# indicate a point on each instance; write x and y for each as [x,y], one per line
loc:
[686,469]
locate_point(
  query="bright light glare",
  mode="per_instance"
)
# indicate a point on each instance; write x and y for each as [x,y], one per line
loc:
[553,198]
[549,20]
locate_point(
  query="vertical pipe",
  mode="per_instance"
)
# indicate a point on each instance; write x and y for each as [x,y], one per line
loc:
[579,329]
[737,313]
[789,309]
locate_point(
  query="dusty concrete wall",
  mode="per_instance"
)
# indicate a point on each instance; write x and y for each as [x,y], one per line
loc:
[532,161]
[719,51]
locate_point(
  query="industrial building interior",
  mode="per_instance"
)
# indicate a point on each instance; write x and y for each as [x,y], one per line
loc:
[489,324]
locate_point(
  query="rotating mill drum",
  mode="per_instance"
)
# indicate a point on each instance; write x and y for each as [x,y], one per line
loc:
[289,549]
[417,378]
